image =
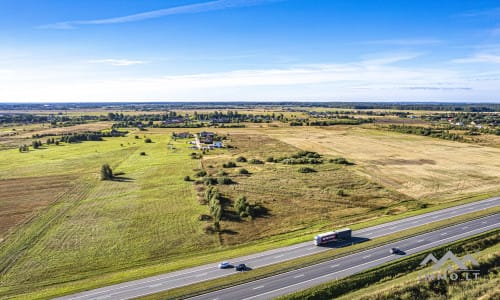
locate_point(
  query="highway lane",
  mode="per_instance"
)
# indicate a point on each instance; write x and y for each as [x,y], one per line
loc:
[180,278]
[296,280]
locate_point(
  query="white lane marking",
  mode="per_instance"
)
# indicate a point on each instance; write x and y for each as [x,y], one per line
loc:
[298,276]
[435,217]
[368,234]
[335,265]
[312,248]
[201,275]
[415,222]
[420,241]
[444,233]
[484,222]
[258,287]
[278,256]
[465,227]
[155,285]
[367,256]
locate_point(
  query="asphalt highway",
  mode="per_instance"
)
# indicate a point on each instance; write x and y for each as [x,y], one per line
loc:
[300,279]
[155,284]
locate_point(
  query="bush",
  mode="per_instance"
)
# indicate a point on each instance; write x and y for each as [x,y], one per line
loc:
[187,178]
[222,173]
[201,173]
[243,171]
[255,161]
[229,165]
[224,180]
[306,170]
[209,181]
[148,140]
[270,159]
[340,161]
[241,159]
[143,153]
[341,193]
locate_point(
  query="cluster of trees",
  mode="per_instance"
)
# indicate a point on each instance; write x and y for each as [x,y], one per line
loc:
[214,198]
[301,157]
[36,144]
[90,136]
[24,148]
[426,131]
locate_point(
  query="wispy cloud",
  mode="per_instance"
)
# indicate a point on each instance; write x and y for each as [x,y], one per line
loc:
[184,9]
[493,12]
[373,79]
[118,62]
[404,42]
[479,58]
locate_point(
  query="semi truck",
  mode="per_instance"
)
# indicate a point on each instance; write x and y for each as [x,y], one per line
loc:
[327,237]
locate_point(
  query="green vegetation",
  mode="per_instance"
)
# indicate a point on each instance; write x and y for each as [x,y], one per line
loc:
[106,172]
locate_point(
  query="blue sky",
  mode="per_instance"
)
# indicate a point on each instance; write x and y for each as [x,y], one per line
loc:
[223,50]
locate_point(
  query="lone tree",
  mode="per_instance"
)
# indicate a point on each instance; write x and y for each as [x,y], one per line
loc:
[106,172]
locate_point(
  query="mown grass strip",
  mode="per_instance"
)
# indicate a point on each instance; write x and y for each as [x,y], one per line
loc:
[217,284]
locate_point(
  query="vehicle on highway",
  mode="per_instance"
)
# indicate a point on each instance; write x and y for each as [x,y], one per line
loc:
[225,265]
[241,267]
[324,238]
[395,251]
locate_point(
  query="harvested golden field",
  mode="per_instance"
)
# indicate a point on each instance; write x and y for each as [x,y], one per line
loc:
[330,197]
[22,198]
[420,167]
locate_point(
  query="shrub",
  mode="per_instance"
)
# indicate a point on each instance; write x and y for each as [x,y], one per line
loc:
[340,161]
[241,159]
[243,171]
[201,173]
[306,170]
[255,161]
[341,193]
[229,165]
[209,181]
[270,159]
[143,153]
[222,173]
[148,140]
[187,178]
[224,180]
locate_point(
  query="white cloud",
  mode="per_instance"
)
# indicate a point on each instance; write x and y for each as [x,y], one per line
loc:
[375,79]
[479,58]
[118,62]
[184,9]
[403,42]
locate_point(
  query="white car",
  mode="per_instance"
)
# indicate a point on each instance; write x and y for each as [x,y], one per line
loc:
[224,265]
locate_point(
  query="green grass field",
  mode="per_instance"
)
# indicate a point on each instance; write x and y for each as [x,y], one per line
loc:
[102,226]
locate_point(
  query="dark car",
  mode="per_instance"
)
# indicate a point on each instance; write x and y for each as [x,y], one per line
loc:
[241,267]
[396,251]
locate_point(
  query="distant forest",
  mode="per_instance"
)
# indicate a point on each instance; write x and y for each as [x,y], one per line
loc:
[148,106]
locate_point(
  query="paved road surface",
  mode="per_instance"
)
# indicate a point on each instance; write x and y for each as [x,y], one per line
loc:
[300,279]
[189,276]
